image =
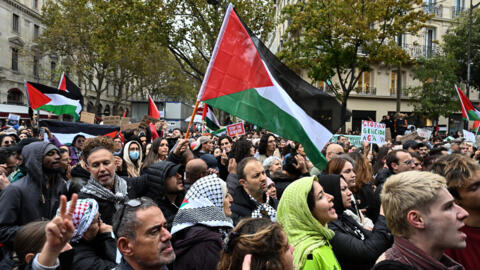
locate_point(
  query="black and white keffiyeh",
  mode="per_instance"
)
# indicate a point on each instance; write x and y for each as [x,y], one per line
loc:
[203,204]
[264,209]
[96,189]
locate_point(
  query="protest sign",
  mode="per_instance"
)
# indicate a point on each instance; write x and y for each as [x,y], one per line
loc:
[424,133]
[469,136]
[130,126]
[411,136]
[13,119]
[111,120]
[87,117]
[373,132]
[124,121]
[235,129]
[353,139]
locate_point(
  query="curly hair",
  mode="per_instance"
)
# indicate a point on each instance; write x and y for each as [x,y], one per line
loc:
[457,169]
[241,149]
[260,237]
[363,171]
[95,144]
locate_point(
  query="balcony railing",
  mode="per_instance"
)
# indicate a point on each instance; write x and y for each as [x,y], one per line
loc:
[417,51]
[369,91]
[444,12]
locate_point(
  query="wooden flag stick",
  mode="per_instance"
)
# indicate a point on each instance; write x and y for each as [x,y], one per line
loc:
[191,120]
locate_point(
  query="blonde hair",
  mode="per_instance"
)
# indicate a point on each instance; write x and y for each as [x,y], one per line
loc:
[407,191]
[457,169]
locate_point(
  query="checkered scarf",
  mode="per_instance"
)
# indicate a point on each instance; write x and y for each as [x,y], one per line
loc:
[203,204]
[83,215]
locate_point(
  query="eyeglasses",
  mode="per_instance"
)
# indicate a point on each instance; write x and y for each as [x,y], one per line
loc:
[8,142]
[408,162]
[134,203]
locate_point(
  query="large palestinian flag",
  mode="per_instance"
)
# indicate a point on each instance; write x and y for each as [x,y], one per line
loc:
[42,97]
[246,80]
[66,131]
[469,112]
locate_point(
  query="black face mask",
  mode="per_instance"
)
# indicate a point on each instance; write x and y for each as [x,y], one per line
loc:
[66,259]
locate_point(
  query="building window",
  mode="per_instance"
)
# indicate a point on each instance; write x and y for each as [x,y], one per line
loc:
[429,42]
[36,31]
[16,23]
[35,4]
[15,96]
[35,66]
[364,84]
[393,82]
[14,59]
[53,67]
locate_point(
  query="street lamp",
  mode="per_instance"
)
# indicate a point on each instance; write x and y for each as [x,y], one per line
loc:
[470,12]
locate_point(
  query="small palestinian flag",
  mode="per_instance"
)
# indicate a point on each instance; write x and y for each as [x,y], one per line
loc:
[246,80]
[67,85]
[66,131]
[42,97]
[476,126]
[469,112]
[209,118]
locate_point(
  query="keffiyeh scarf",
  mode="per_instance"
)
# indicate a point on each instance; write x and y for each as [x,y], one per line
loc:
[83,215]
[264,209]
[96,189]
[203,204]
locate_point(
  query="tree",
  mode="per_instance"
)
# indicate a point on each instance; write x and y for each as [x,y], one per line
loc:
[437,95]
[193,26]
[328,38]
[455,44]
[109,44]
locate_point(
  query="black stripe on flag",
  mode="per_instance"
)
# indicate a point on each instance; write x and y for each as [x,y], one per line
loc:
[76,127]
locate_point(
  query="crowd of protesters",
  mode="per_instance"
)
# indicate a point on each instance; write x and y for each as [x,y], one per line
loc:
[255,201]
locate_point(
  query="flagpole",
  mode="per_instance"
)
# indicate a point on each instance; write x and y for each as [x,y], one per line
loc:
[191,119]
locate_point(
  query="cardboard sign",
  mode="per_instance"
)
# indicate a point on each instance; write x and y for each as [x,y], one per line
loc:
[373,132]
[424,133]
[111,120]
[124,121]
[469,136]
[235,129]
[13,119]
[87,117]
[148,119]
[130,126]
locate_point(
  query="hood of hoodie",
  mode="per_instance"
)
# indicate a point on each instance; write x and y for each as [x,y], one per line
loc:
[160,169]
[331,185]
[188,238]
[33,160]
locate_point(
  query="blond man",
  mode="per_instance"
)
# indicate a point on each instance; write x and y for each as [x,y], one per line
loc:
[424,219]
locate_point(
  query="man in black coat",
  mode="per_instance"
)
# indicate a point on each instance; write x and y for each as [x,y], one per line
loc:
[250,199]
[36,195]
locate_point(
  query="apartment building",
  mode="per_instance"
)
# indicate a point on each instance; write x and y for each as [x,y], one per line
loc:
[376,91]
[20,60]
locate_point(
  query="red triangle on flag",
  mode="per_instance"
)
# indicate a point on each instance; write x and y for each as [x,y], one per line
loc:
[35,97]
[152,108]
[235,65]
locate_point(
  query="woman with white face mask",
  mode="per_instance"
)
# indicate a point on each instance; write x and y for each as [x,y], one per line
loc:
[132,158]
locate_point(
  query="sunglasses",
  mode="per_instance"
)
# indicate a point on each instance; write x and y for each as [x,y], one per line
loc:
[134,203]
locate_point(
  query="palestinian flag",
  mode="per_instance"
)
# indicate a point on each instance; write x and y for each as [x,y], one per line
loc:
[209,118]
[42,97]
[469,112]
[476,126]
[246,80]
[66,84]
[66,131]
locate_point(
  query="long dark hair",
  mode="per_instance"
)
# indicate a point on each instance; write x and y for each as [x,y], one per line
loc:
[262,145]
[152,156]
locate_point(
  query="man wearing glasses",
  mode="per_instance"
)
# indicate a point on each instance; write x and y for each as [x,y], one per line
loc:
[142,236]
[397,161]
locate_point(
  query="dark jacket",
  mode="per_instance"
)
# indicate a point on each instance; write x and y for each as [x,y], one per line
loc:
[28,199]
[99,253]
[381,178]
[243,206]
[125,266]
[136,187]
[160,169]
[354,247]
[197,248]
[367,198]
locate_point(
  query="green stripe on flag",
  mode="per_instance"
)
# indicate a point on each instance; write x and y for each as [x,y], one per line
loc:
[472,115]
[251,107]
[210,124]
[61,109]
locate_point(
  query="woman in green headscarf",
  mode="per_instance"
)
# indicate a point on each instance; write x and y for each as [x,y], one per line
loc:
[304,211]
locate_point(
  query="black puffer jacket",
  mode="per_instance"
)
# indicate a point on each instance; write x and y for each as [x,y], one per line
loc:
[354,247]
[197,248]
[97,254]
[28,199]
[243,206]
[160,169]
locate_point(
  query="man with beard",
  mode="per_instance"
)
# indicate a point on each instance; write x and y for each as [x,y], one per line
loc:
[142,236]
[36,195]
